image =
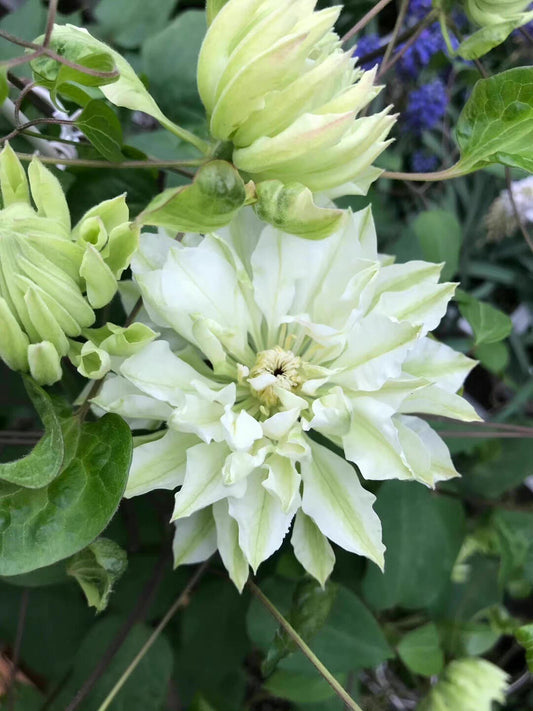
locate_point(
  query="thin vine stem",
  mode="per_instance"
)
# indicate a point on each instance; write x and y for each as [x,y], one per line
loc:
[50,20]
[385,66]
[396,31]
[148,164]
[447,174]
[363,22]
[180,601]
[304,648]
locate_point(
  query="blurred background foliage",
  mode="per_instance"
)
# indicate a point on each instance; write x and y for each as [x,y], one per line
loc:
[459,575]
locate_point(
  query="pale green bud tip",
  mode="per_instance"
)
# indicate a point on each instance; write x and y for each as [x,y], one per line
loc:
[90,360]
[44,362]
[291,208]
[488,12]
[470,684]
[120,341]
[278,87]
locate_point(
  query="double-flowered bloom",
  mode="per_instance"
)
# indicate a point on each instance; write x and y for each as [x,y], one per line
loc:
[275,347]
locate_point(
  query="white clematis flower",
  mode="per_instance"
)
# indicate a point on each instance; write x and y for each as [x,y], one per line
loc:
[291,344]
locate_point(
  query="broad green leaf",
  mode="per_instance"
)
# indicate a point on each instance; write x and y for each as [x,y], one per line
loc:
[493,356]
[171,53]
[421,652]
[350,639]
[101,126]
[515,537]
[145,689]
[43,464]
[127,23]
[496,124]
[310,608]
[489,324]
[97,568]
[299,688]
[524,636]
[495,467]
[440,236]
[208,203]
[423,534]
[486,38]
[41,526]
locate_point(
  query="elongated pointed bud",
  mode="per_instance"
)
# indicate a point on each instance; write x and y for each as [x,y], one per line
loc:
[44,362]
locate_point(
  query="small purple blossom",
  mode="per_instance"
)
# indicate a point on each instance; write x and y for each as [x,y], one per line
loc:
[366,45]
[426,107]
[418,9]
[422,162]
[420,54]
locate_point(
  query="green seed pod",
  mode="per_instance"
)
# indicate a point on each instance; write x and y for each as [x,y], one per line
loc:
[52,277]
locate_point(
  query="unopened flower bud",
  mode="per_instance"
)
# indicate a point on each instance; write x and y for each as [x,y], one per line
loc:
[277,85]
[493,12]
[51,278]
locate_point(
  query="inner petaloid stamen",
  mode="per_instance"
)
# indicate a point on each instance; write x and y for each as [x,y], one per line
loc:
[275,368]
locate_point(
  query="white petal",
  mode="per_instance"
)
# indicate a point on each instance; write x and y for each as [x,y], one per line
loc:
[438,363]
[160,373]
[283,480]
[376,348]
[312,548]
[203,483]
[195,538]
[122,397]
[278,425]
[372,442]
[239,464]
[198,416]
[433,400]
[241,430]
[427,454]
[159,464]
[261,520]
[228,545]
[422,305]
[334,498]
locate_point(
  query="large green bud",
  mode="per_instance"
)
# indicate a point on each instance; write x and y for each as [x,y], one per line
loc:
[52,277]
[494,12]
[283,98]
[470,684]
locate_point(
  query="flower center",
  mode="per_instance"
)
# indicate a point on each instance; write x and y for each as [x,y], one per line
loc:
[275,368]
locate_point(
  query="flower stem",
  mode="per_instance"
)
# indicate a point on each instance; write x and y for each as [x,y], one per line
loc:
[454,172]
[315,661]
[180,601]
[363,22]
[203,146]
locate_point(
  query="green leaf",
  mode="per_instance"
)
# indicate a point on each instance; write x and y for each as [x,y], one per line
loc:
[524,636]
[102,128]
[299,688]
[145,689]
[493,356]
[43,464]
[423,534]
[496,124]
[127,23]
[208,203]
[514,530]
[489,324]
[496,467]
[310,608]
[440,237]
[421,652]
[485,39]
[172,53]
[41,526]
[97,568]
[127,91]
[350,639]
